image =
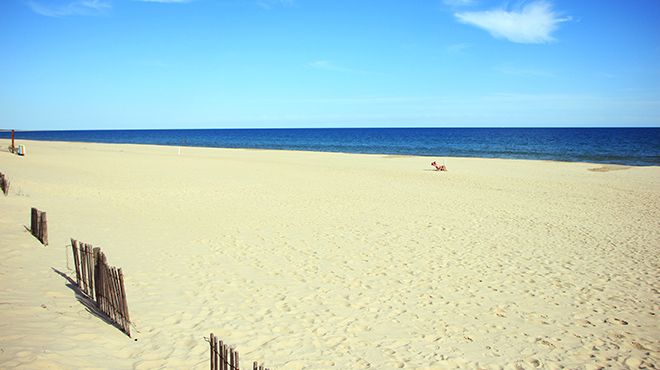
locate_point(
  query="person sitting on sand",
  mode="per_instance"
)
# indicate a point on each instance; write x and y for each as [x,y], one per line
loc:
[439,167]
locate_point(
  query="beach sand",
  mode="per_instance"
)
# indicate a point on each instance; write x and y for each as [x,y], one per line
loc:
[329,260]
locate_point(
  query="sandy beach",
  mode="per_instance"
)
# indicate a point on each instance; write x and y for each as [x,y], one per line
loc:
[307,260]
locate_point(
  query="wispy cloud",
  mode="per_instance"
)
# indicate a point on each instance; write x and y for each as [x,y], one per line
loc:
[269,4]
[533,23]
[68,8]
[328,65]
[166,1]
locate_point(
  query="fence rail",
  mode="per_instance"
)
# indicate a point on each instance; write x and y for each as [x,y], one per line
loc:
[39,226]
[4,183]
[101,282]
[224,357]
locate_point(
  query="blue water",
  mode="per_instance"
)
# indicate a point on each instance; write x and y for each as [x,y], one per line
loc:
[629,146]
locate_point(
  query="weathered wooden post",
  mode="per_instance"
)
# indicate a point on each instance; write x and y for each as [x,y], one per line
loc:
[76,259]
[33,222]
[13,147]
[43,229]
[84,267]
[90,270]
[97,275]
[4,183]
[39,225]
[127,318]
[213,345]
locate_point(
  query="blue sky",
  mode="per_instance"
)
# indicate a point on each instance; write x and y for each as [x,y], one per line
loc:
[90,64]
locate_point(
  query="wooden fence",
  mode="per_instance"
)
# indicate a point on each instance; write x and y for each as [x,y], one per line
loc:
[224,357]
[39,226]
[102,283]
[4,183]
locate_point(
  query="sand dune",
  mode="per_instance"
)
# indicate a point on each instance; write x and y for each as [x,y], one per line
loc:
[327,260]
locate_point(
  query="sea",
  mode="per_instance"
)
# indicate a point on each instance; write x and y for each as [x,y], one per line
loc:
[626,146]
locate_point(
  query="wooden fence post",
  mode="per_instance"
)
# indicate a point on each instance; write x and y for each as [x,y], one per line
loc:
[33,222]
[43,229]
[115,294]
[4,183]
[97,274]
[90,270]
[212,345]
[39,225]
[102,283]
[83,268]
[223,356]
[76,259]
[127,319]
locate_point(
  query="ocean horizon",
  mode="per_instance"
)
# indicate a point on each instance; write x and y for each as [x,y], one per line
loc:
[625,146]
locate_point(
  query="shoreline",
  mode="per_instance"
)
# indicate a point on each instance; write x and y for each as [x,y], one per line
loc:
[316,260]
[385,155]
[624,146]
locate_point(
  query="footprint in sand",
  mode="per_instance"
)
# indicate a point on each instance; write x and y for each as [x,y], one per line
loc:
[545,342]
[639,346]
[533,362]
[499,311]
[622,322]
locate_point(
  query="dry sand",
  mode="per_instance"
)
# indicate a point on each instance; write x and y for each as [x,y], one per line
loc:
[325,260]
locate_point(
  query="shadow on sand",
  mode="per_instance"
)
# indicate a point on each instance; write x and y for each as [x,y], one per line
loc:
[86,301]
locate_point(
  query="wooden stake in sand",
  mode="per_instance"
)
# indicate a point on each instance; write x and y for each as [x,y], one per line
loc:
[97,273]
[33,221]
[90,270]
[127,319]
[214,346]
[39,225]
[4,183]
[76,259]
[43,229]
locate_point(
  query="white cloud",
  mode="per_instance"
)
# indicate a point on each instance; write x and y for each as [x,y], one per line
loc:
[269,4]
[67,8]
[531,24]
[166,1]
